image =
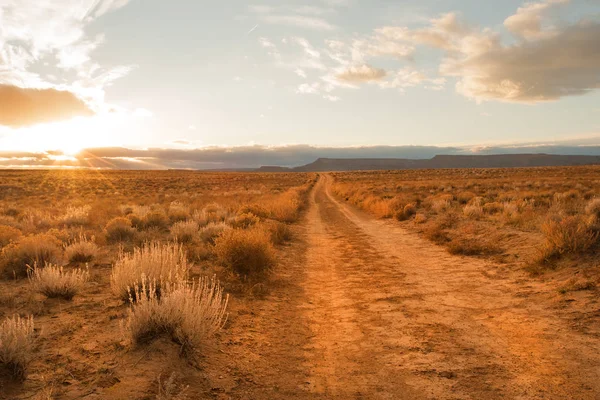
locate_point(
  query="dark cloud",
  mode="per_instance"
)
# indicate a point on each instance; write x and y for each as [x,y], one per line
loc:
[256,156]
[22,107]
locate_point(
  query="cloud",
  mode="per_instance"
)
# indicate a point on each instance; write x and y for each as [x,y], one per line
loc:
[549,68]
[360,74]
[299,21]
[37,37]
[527,22]
[22,106]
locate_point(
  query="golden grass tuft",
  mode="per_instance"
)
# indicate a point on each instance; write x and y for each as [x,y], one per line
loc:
[188,313]
[119,230]
[185,231]
[163,264]
[28,250]
[248,253]
[8,234]
[567,235]
[16,344]
[54,282]
[82,250]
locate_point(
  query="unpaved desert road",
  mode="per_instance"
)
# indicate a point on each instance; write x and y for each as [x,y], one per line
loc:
[368,310]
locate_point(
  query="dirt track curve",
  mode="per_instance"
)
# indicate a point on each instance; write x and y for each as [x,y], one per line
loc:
[363,309]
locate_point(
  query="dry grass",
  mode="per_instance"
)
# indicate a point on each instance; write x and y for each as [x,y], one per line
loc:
[76,216]
[212,231]
[8,234]
[82,250]
[248,253]
[16,344]
[119,230]
[188,313]
[185,231]
[54,282]
[162,264]
[568,235]
[29,250]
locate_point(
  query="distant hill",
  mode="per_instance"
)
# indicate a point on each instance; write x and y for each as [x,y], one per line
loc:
[440,161]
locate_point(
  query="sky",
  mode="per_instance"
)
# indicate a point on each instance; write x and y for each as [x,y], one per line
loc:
[164,78]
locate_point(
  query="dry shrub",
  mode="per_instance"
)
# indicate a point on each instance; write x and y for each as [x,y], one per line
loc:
[408,211]
[593,207]
[185,231]
[244,221]
[440,205]
[119,230]
[248,253]
[162,264]
[16,344]
[212,231]
[82,250]
[211,213]
[8,234]
[420,218]
[287,206]
[568,235]
[465,197]
[155,219]
[29,250]
[255,209]
[188,313]
[493,208]
[278,231]
[178,211]
[76,216]
[473,210]
[52,281]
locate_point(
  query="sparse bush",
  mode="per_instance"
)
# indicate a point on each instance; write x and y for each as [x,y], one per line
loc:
[244,221]
[473,210]
[406,212]
[29,250]
[440,205]
[184,231]
[76,216]
[493,208]
[255,209]
[248,253]
[211,213]
[16,344]
[420,218]
[568,235]
[119,230]
[82,250]
[53,281]
[178,211]
[155,219]
[161,264]
[593,207]
[8,234]
[465,197]
[210,232]
[278,231]
[187,313]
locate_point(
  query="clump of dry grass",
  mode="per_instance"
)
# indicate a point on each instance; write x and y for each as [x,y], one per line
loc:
[211,213]
[76,216]
[184,231]
[278,231]
[178,211]
[406,212]
[212,231]
[155,219]
[8,234]
[163,264]
[248,253]
[493,207]
[188,313]
[16,344]
[82,250]
[28,250]
[119,230]
[568,235]
[593,207]
[52,281]
[473,210]
[255,209]
[244,221]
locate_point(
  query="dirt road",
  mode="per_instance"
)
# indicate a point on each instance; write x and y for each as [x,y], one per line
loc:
[363,309]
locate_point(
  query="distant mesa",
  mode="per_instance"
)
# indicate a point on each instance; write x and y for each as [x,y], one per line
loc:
[439,161]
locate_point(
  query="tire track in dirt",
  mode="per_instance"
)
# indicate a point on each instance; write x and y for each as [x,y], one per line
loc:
[362,309]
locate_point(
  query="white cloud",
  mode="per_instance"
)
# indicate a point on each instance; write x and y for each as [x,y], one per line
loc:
[361,73]
[299,21]
[528,21]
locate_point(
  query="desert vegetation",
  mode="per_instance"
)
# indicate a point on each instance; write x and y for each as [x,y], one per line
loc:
[538,218]
[130,259]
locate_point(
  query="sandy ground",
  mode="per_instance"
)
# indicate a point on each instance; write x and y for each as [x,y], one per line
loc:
[358,308]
